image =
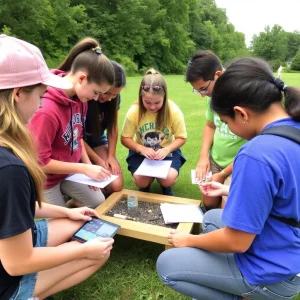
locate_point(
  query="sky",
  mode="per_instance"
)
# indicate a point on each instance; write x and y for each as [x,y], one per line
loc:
[251,16]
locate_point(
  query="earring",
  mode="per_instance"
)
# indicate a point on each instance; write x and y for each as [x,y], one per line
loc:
[244,122]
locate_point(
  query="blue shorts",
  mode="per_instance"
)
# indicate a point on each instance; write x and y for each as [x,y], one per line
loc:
[134,160]
[26,286]
[97,142]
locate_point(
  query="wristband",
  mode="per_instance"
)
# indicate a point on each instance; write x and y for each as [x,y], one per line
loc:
[224,173]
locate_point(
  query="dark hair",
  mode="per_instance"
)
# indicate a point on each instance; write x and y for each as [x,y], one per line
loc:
[154,78]
[112,106]
[120,75]
[203,65]
[86,55]
[249,82]
[152,135]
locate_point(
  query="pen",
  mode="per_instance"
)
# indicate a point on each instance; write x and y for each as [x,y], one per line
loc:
[123,217]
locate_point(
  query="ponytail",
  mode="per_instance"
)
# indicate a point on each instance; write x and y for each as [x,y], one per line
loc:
[87,55]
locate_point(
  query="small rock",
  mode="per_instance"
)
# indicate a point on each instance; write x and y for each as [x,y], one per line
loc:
[149,211]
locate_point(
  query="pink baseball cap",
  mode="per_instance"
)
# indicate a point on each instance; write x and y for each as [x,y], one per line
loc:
[22,64]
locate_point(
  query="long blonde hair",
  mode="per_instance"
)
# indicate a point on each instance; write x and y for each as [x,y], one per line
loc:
[15,136]
[154,78]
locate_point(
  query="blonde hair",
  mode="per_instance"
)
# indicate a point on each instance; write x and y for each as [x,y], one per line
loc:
[154,78]
[16,137]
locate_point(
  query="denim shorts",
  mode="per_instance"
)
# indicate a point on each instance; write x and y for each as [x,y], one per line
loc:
[26,286]
[134,160]
[96,142]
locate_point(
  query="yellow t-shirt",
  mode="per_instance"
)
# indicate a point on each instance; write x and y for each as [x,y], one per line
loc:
[144,132]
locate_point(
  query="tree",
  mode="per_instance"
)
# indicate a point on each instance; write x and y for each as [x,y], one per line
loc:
[270,44]
[293,44]
[296,62]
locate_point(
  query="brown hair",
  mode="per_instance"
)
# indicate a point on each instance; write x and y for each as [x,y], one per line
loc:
[87,55]
[112,106]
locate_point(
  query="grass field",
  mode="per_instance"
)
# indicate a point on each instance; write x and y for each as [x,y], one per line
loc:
[130,272]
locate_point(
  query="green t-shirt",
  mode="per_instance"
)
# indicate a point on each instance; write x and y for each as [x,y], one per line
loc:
[225,144]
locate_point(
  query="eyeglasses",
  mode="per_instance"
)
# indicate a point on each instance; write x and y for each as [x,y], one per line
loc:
[202,91]
[155,88]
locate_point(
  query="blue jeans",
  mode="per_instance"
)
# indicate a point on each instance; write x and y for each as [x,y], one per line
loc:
[26,286]
[208,275]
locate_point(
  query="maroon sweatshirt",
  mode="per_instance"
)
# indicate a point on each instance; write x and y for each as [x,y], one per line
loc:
[57,128]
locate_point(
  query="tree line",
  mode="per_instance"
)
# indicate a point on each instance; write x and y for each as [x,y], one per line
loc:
[137,33]
[278,47]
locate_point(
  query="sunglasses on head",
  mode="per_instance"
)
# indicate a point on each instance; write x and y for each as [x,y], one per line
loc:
[155,88]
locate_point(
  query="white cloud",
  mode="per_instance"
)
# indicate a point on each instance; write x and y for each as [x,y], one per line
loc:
[251,16]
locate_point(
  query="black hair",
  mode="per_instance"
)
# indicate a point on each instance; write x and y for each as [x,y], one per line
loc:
[120,75]
[203,65]
[249,82]
[87,55]
[111,106]
[152,135]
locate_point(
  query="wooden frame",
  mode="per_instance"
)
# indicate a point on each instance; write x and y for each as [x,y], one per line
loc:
[142,231]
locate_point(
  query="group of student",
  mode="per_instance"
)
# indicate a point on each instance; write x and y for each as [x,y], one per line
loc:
[50,125]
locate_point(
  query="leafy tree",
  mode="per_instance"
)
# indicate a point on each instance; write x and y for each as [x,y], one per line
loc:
[293,44]
[52,25]
[270,44]
[296,62]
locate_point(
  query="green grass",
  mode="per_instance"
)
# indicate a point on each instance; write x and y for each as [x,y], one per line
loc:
[130,272]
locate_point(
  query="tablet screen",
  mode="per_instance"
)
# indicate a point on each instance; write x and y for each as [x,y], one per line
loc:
[96,228]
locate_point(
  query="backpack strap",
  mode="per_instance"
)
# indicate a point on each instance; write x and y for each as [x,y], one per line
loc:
[293,134]
[288,132]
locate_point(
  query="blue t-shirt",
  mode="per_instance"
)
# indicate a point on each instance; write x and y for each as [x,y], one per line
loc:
[266,180]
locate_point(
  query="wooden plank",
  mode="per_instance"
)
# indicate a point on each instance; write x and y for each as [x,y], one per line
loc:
[158,198]
[143,231]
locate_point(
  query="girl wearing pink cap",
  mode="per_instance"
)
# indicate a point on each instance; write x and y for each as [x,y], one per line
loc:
[26,272]
[58,126]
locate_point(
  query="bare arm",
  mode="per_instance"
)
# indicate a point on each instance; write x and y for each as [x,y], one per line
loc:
[112,141]
[224,240]
[221,176]
[130,144]
[50,211]
[229,240]
[207,140]
[19,257]
[92,171]
[94,156]
[61,167]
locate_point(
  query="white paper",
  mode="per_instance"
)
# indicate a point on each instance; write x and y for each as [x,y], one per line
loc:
[194,179]
[181,213]
[154,168]
[81,178]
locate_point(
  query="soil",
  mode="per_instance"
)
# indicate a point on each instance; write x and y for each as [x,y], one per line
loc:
[148,213]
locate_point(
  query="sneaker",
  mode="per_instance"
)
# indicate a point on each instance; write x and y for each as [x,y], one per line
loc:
[168,191]
[145,190]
